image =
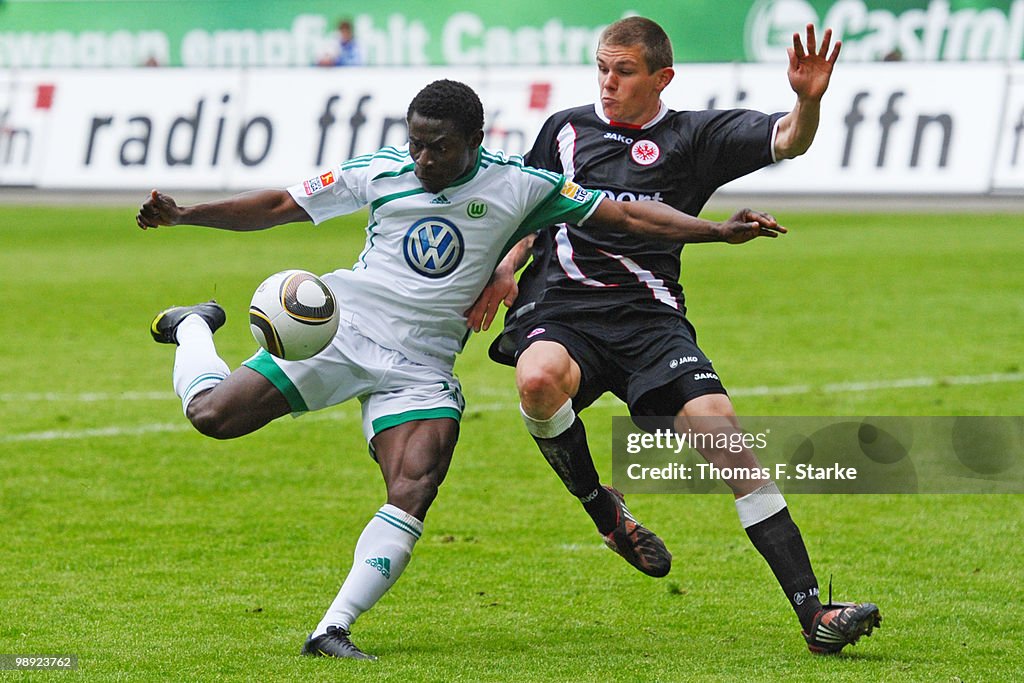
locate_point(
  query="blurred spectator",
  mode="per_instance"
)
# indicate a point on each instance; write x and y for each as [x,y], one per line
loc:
[345,50]
[894,55]
[151,61]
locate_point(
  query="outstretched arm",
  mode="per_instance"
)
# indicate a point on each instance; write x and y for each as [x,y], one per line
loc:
[255,210]
[647,219]
[658,221]
[809,74]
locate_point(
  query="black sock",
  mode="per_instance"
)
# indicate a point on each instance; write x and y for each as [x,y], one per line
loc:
[603,509]
[779,542]
[569,455]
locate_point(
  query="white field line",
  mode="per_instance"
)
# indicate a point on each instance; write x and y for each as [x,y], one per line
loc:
[89,397]
[348,412]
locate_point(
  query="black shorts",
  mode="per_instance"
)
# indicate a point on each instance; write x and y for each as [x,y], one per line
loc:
[650,361]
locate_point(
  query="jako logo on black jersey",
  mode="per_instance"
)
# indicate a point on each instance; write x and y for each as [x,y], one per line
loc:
[619,138]
[433,247]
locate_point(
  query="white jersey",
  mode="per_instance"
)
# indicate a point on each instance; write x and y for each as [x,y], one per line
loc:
[428,256]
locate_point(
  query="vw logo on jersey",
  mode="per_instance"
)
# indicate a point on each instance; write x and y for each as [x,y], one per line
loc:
[433,247]
[645,152]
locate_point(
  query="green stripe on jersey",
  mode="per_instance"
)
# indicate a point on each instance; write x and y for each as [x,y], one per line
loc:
[518,162]
[355,163]
[400,158]
[394,174]
[381,201]
[513,160]
[539,218]
[569,211]
[553,178]
[370,236]
[397,151]
[361,159]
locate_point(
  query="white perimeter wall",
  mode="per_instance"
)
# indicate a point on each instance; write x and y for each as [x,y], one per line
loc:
[889,128]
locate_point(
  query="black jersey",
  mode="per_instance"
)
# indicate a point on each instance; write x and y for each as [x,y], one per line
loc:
[680,158]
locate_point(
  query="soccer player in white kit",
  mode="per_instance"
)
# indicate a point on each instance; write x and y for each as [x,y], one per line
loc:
[442,213]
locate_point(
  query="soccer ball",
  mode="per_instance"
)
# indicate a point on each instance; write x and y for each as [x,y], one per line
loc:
[293,315]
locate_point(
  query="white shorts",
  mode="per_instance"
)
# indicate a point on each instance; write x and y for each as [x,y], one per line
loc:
[391,388]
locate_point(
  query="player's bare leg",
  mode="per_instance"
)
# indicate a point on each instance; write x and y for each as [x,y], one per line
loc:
[766,519]
[547,378]
[219,403]
[714,414]
[414,458]
[239,405]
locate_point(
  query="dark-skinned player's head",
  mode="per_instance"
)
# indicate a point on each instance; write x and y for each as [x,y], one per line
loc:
[446,121]
[446,100]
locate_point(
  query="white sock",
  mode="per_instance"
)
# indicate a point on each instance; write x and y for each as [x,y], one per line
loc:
[554,425]
[197,367]
[759,505]
[382,552]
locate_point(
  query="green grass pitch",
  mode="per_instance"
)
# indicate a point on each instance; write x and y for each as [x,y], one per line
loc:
[153,553]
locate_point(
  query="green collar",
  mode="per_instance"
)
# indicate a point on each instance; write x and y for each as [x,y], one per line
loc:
[468,175]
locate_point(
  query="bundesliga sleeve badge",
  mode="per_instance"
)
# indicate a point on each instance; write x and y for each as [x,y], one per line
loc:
[314,185]
[574,192]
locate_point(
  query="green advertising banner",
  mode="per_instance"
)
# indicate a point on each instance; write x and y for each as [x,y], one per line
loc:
[215,33]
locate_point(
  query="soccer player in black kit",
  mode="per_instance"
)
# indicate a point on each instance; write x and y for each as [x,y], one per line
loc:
[597,312]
